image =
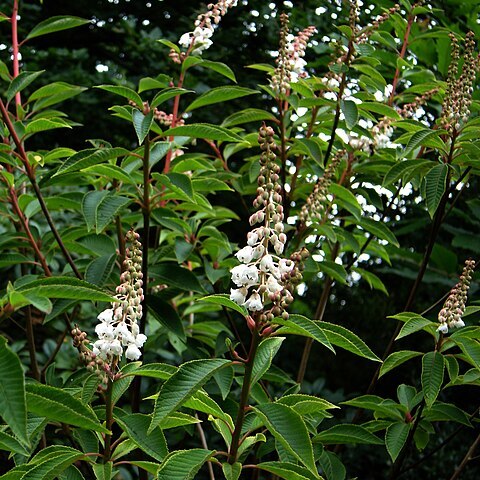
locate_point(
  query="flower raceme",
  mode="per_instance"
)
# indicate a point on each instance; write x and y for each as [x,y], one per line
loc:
[118,327]
[264,277]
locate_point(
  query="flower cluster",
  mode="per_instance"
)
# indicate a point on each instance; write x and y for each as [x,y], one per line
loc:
[263,276]
[118,327]
[450,315]
[199,39]
[94,363]
[290,62]
[365,33]
[458,95]
[315,205]
[166,119]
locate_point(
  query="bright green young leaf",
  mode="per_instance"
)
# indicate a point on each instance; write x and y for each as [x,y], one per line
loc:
[45,124]
[220,68]
[435,184]
[20,82]
[246,116]
[344,338]
[167,94]
[220,94]
[13,408]
[183,464]
[142,124]
[433,366]
[346,433]
[124,92]
[306,404]
[300,325]
[186,381]
[288,427]
[395,359]
[413,323]
[136,427]
[224,301]
[204,130]
[395,438]
[58,405]
[56,24]
[87,158]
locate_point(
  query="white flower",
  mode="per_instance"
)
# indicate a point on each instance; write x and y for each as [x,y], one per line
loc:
[106,315]
[185,40]
[140,339]
[244,275]
[133,352]
[238,295]
[115,347]
[267,264]
[458,323]
[246,254]
[443,328]
[252,238]
[104,331]
[285,265]
[254,303]
[272,285]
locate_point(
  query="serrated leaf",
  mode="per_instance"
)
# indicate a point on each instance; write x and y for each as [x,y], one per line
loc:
[435,185]
[395,359]
[288,428]
[471,349]
[65,287]
[56,24]
[417,139]
[246,116]
[141,124]
[267,349]
[306,404]
[204,130]
[167,94]
[136,427]
[107,209]
[220,94]
[166,315]
[349,201]
[413,323]
[98,271]
[111,172]
[20,82]
[11,444]
[13,408]
[379,229]
[334,270]
[125,92]
[220,68]
[224,300]
[52,466]
[288,471]
[433,366]
[183,464]
[347,433]
[232,472]
[187,380]
[399,169]
[87,158]
[103,471]
[57,405]
[446,412]
[344,338]
[350,111]
[300,325]
[45,124]
[331,466]
[90,204]
[395,438]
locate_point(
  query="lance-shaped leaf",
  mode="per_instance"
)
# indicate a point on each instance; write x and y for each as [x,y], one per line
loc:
[433,365]
[11,444]
[52,462]
[288,427]
[347,433]
[397,358]
[167,94]
[58,405]
[142,124]
[288,471]
[263,359]
[183,464]
[103,471]
[246,116]
[224,301]
[108,209]
[396,437]
[187,380]
[204,130]
[435,184]
[13,408]
[124,92]
[350,111]
[56,24]
[232,472]
[220,94]
[20,82]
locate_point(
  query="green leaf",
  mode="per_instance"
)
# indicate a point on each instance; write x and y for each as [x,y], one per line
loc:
[433,366]
[103,471]
[288,427]
[331,466]
[418,139]
[11,444]
[350,111]
[56,24]
[306,404]
[344,338]
[379,229]
[142,124]
[98,271]
[167,94]
[267,349]
[65,287]
[246,116]
[385,407]
[334,270]
[232,472]
[395,359]
[413,323]
[125,92]
[347,433]
[136,427]
[220,68]
[53,464]
[224,300]
[220,94]
[53,93]
[13,408]
[162,371]
[288,471]
[446,412]
[166,315]
[435,184]
[348,199]
[20,82]
[400,169]
[183,464]
[45,124]
[187,380]
[395,438]
[90,156]
[204,130]
[57,405]
[108,209]
[111,172]
[471,349]
[300,325]
[176,276]
[90,203]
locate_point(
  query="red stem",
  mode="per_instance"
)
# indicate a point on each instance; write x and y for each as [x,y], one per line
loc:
[16,66]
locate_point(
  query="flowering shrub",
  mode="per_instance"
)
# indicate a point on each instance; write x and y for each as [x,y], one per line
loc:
[122,353]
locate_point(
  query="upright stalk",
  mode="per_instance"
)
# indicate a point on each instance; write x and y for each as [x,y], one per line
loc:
[107,453]
[15,48]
